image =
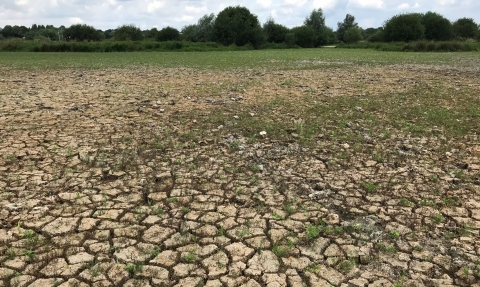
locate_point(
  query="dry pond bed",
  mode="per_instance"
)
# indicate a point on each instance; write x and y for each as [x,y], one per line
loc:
[343,176]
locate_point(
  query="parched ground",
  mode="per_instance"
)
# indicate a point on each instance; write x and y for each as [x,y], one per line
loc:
[338,176]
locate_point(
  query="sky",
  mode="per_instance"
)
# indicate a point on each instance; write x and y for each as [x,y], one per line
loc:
[146,14]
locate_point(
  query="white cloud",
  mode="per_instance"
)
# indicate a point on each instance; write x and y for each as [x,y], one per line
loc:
[297,3]
[324,4]
[21,2]
[416,6]
[376,4]
[264,3]
[154,5]
[447,2]
[403,6]
[196,10]
[75,20]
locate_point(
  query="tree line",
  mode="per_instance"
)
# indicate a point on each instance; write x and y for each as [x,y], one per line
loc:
[237,25]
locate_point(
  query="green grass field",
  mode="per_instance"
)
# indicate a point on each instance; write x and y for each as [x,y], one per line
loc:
[261,59]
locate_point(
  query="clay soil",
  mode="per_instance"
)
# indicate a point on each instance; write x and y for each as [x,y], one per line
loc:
[338,176]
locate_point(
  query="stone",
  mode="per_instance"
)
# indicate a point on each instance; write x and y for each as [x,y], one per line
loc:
[265,262]
[61,225]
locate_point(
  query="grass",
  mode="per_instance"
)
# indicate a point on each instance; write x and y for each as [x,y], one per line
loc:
[258,59]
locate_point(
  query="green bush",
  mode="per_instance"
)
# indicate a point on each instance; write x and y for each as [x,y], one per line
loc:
[404,28]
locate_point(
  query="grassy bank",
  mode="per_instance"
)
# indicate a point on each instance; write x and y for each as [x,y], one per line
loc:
[420,46]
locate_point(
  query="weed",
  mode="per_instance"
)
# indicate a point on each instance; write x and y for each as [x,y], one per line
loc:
[313,231]
[346,265]
[289,209]
[394,234]
[30,254]
[405,202]
[133,268]
[172,200]
[369,187]
[221,231]
[280,251]
[190,257]
[438,218]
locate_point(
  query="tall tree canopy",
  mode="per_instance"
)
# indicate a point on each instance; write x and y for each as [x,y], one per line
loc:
[404,28]
[236,25]
[348,23]
[437,27]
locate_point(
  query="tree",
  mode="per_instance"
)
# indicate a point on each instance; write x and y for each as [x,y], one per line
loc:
[151,34]
[348,23]
[352,35]
[316,21]
[275,33]
[82,32]
[128,33]
[404,28]
[188,33]
[377,36]
[236,25]
[437,27]
[305,36]
[204,30]
[168,34]
[465,28]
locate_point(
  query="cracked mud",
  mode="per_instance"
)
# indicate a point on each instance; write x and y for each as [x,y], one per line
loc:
[162,177]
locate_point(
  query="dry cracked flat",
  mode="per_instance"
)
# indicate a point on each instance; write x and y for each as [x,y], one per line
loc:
[100,184]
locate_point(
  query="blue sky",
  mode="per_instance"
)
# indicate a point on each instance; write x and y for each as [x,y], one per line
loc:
[109,14]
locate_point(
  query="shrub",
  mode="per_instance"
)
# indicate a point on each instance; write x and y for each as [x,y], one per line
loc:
[404,28]
[128,33]
[168,34]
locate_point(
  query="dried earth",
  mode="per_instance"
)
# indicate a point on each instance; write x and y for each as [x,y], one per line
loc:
[142,177]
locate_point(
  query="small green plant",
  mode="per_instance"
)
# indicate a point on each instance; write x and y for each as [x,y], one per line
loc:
[438,218]
[133,268]
[313,231]
[346,265]
[466,230]
[280,251]
[278,216]
[312,268]
[289,209]
[405,202]
[172,200]
[190,257]
[158,211]
[378,158]
[234,145]
[30,236]
[369,187]
[11,253]
[466,270]
[185,209]
[394,234]
[30,254]
[221,231]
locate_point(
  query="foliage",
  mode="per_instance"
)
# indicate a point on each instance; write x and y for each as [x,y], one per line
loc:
[151,34]
[316,21]
[1,37]
[465,28]
[128,33]
[188,33]
[168,34]
[305,36]
[205,28]
[404,28]
[343,27]
[437,27]
[82,32]
[290,39]
[275,33]
[378,36]
[236,25]
[14,31]
[352,35]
